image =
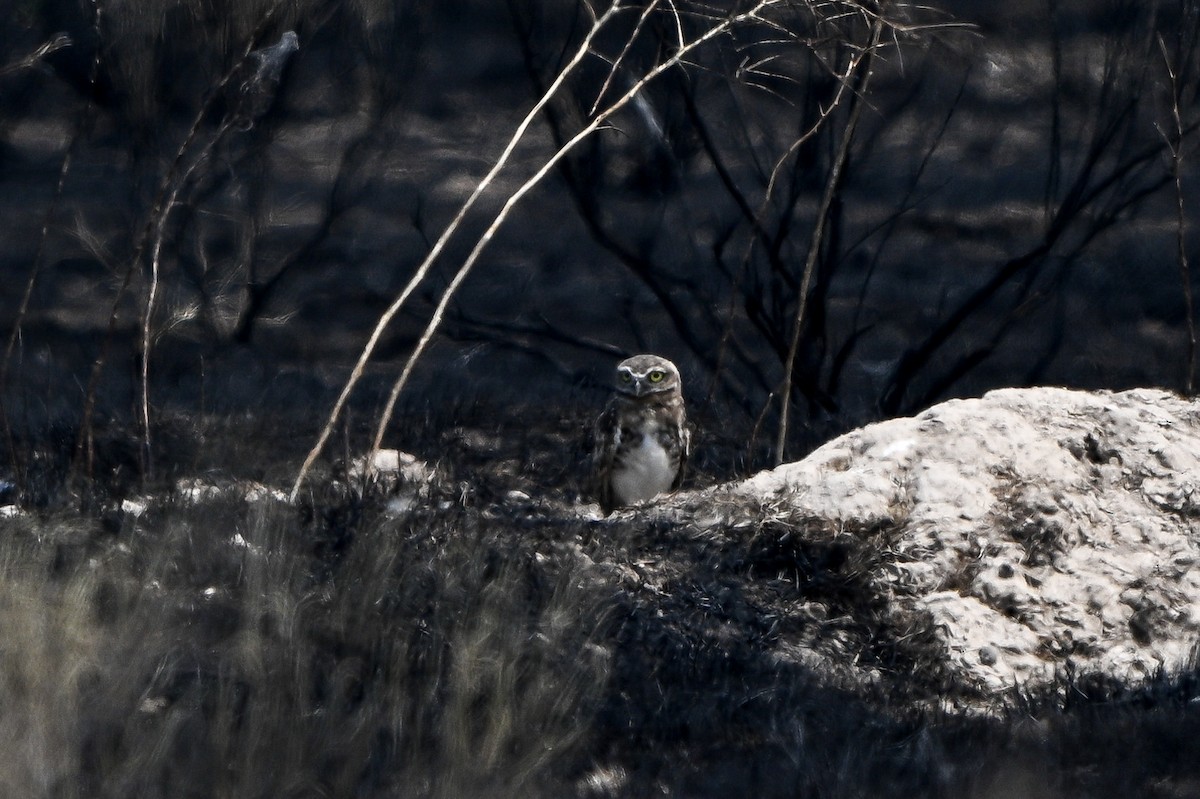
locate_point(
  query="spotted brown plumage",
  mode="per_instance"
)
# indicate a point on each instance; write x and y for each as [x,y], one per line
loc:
[642,439]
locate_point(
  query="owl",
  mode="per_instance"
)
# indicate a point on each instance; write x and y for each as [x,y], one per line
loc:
[642,440]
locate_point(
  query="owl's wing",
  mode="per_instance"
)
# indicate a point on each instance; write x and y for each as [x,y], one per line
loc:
[604,451]
[685,450]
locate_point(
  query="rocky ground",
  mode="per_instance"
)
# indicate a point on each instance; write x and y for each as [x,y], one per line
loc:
[1037,530]
[993,598]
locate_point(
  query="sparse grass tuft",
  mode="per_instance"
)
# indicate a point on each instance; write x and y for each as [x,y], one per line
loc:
[221,648]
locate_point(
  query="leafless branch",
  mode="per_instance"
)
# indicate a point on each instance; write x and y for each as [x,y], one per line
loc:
[832,184]
[51,45]
[440,244]
[589,129]
[173,180]
[1174,143]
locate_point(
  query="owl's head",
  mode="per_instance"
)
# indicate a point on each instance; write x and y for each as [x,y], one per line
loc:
[643,375]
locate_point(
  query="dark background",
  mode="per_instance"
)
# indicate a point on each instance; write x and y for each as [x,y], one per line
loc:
[1007,215]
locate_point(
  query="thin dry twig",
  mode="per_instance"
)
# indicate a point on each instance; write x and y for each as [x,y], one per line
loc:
[168,190]
[595,124]
[616,64]
[51,45]
[1175,146]
[160,226]
[423,269]
[758,221]
[255,93]
[814,249]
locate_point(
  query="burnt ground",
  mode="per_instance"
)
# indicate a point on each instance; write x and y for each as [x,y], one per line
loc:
[485,641]
[1008,217]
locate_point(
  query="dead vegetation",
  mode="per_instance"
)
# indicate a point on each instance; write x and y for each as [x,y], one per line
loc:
[480,644]
[828,212]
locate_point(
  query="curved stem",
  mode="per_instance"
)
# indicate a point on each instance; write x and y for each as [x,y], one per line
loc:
[440,244]
[814,247]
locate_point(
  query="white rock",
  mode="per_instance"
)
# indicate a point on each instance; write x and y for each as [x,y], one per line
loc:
[1067,522]
[402,504]
[195,490]
[134,507]
[200,490]
[391,463]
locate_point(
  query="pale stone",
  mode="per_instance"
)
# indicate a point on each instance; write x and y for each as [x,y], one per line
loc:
[1066,522]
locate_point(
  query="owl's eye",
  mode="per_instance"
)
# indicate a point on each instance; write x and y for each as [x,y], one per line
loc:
[657,376]
[626,377]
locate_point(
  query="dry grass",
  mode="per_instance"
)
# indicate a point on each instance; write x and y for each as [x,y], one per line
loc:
[491,645]
[232,650]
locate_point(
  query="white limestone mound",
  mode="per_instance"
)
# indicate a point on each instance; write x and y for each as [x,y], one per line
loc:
[1035,527]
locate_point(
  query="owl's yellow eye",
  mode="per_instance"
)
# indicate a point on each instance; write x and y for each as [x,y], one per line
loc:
[626,377]
[657,376]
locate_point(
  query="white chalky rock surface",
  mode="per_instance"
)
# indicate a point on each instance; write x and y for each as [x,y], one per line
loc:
[1035,526]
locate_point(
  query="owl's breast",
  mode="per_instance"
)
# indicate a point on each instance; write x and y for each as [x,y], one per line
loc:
[643,468]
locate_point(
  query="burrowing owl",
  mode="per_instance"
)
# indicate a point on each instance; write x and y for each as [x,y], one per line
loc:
[642,439]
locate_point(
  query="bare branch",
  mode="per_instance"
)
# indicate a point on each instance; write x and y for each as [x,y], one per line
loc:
[440,244]
[616,64]
[529,184]
[757,219]
[167,190]
[51,45]
[831,186]
[1175,147]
